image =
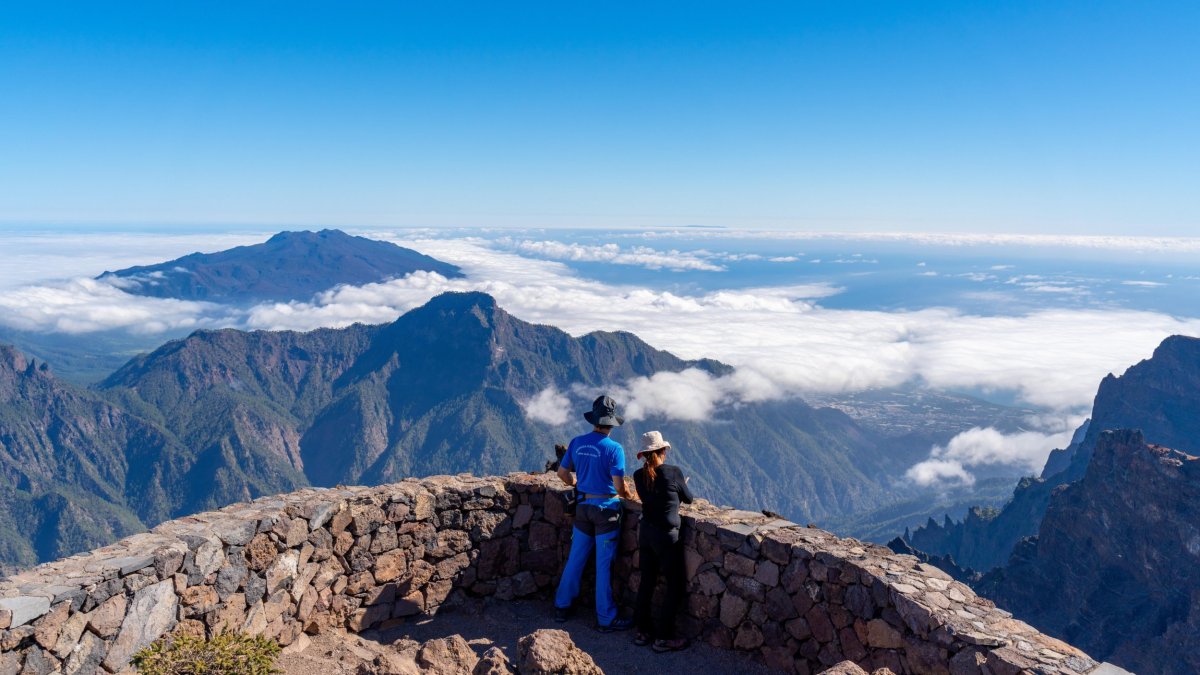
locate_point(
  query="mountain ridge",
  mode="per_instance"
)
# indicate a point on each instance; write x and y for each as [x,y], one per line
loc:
[288,266]
[1159,395]
[442,389]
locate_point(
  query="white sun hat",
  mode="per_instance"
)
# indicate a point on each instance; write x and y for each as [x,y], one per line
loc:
[651,441]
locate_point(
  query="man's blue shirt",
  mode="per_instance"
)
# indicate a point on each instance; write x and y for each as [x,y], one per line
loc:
[595,459]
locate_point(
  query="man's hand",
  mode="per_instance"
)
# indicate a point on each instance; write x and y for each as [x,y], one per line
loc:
[623,488]
[566,477]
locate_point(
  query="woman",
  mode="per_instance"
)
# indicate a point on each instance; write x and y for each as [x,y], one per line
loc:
[661,487]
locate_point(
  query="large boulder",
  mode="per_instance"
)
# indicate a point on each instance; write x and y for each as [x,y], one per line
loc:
[447,656]
[552,652]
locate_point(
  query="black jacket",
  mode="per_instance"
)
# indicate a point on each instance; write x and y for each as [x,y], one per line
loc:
[660,501]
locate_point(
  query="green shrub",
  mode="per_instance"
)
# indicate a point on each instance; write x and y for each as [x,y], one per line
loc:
[225,654]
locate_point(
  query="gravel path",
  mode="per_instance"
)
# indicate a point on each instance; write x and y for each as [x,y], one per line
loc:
[488,622]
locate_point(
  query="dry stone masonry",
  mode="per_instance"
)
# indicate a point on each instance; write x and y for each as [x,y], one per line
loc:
[798,598]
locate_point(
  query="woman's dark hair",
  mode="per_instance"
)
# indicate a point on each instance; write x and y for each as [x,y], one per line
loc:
[649,464]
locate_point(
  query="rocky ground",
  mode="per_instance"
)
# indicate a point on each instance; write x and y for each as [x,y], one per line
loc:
[486,624]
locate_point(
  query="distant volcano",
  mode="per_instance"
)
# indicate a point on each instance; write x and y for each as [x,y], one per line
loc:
[288,266]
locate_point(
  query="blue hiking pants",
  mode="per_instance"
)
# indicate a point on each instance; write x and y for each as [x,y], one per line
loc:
[597,525]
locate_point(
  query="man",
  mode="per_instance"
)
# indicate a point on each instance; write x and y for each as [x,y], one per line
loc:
[599,464]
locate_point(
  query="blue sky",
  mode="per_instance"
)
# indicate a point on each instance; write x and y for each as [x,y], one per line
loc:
[1038,117]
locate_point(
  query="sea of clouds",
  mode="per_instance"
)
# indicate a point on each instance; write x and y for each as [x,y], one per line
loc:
[781,339]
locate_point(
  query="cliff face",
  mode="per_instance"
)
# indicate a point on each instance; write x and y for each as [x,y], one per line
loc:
[1160,396]
[1115,567]
[62,463]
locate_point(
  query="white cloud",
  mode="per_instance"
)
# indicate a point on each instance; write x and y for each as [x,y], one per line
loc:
[783,259]
[1055,288]
[692,395]
[976,276]
[1148,284]
[1026,450]
[942,472]
[549,406]
[1094,242]
[612,253]
[85,305]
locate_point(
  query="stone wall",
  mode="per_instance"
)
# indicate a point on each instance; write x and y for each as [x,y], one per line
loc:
[319,559]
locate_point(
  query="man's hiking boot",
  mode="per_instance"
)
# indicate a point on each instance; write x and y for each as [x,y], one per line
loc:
[617,624]
[563,614]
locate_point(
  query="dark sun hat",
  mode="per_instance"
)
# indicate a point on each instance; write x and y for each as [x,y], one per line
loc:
[604,413]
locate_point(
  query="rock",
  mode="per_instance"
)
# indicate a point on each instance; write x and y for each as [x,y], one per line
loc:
[38,662]
[209,557]
[167,561]
[260,553]
[230,616]
[767,574]
[820,625]
[881,635]
[746,587]
[199,599]
[738,564]
[494,662]
[733,610]
[422,506]
[69,634]
[389,566]
[748,637]
[10,639]
[710,583]
[235,531]
[389,663]
[190,628]
[552,652]
[45,631]
[5,618]
[282,572]
[232,575]
[409,605]
[10,662]
[151,614]
[366,519]
[447,656]
[130,564]
[297,533]
[845,668]
[24,608]
[521,519]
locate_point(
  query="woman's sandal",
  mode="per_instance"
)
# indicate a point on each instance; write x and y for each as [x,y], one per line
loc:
[675,645]
[641,639]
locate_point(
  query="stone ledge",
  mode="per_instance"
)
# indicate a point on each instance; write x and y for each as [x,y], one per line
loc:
[798,598]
